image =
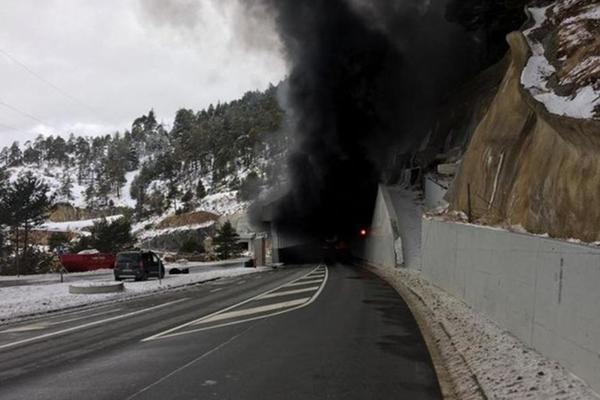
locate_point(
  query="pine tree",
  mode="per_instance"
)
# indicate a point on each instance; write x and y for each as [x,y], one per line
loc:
[25,205]
[200,190]
[65,192]
[226,242]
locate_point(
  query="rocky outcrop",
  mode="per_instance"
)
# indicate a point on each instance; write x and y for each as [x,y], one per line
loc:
[525,166]
[174,239]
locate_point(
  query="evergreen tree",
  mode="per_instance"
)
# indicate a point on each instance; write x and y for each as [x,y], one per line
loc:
[65,192]
[200,190]
[226,242]
[14,155]
[25,205]
[111,237]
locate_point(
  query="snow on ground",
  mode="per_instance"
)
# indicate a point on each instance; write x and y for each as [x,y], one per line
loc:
[125,199]
[53,176]
[52,276]
[74,226]
[223,203]
[20,301]
[538,71]
[480,355]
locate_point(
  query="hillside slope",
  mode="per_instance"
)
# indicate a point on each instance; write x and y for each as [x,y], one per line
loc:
[216,160]
[533,160]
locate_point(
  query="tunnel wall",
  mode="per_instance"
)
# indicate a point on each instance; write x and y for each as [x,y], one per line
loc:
[378,247]
[543,291]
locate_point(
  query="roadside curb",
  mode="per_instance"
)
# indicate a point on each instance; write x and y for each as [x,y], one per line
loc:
[452,370]
[109,287]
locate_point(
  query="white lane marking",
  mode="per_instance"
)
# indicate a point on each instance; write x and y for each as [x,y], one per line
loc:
[89,324]
[195,360]
[27,328]
[253,310]
[304,283]
[169,332]
[288,292]
[215,290]
[46,324]
[241,282]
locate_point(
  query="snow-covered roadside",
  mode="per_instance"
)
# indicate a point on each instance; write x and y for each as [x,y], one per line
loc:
[482,360]
[21,301]
[54,276]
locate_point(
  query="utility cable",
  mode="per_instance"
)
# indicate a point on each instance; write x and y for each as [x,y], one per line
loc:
[24,113]
[48,83]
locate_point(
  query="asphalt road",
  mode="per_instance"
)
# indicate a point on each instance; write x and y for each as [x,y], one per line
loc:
[294,333]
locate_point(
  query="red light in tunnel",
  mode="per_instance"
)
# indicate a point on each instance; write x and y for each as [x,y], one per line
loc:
[363,232]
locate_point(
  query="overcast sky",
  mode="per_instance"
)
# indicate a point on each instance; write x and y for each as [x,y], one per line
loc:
[113,60]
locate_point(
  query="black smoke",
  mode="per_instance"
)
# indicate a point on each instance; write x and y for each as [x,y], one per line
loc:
[366,79]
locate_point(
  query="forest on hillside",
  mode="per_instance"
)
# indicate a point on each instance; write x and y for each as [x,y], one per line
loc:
[229,146]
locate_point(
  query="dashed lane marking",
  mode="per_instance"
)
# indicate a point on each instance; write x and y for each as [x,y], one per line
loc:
[46,324]
[277,308]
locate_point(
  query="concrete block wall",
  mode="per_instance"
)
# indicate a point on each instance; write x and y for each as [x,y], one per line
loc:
[544,291]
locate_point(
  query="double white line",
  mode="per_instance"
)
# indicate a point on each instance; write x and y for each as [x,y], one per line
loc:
[287,306]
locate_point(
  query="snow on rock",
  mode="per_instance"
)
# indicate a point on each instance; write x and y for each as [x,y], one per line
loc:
[150,233]
[20,301]
[577,69]
[485,361]
[74,226]
[223,203]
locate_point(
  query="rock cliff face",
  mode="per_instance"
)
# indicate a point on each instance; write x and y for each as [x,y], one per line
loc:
[526,165]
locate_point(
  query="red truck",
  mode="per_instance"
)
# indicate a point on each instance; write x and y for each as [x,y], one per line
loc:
[87,262]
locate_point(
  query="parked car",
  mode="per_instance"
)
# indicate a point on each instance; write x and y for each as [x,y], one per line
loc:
[139,265]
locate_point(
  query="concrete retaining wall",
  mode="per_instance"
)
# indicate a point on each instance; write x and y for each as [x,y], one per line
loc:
[546,292]
[378,246]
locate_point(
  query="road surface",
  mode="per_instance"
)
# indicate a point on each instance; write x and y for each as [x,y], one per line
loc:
[306,332]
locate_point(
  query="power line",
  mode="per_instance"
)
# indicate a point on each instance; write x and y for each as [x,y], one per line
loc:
[52,85]
[8,127]
[24,113]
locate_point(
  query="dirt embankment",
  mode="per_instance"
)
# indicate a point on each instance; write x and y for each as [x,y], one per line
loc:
[526,166]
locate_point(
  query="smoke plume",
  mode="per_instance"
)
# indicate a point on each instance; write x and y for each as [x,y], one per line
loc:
[365,79]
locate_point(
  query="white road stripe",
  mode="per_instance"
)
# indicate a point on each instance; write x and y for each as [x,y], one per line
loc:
[89,324]
[47,324]
[301,283]
[241,321]
[169,332]
[288,292]
[253,310]
[215,290]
